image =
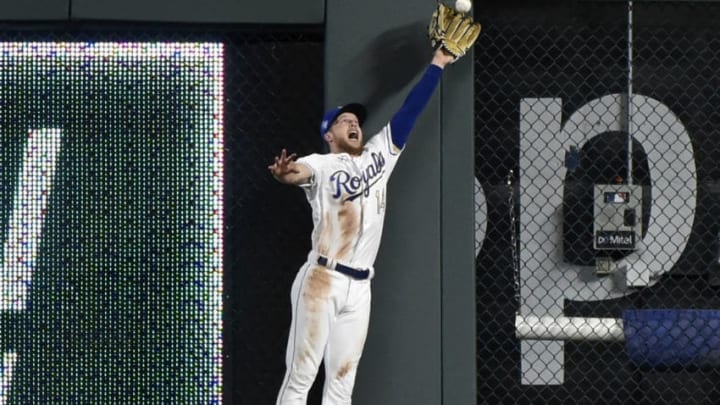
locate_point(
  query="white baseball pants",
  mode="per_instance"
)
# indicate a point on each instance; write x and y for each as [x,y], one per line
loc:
[331,312]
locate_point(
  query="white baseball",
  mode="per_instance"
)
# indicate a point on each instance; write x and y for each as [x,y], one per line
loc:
[463,6]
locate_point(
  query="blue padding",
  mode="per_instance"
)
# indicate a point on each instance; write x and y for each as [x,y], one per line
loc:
[673,337]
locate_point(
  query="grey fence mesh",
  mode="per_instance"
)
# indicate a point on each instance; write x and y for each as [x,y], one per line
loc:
[597,196]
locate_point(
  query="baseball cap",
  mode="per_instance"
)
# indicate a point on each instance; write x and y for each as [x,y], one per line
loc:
[356,108]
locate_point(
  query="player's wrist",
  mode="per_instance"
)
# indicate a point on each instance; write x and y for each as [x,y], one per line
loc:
[442,58]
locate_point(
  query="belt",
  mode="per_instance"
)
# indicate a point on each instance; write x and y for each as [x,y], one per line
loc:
[341,268]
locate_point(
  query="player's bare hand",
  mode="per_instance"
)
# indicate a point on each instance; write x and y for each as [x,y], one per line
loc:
[283,165]
[287,171]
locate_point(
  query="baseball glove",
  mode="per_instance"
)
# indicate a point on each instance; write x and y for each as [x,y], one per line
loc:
[452,30]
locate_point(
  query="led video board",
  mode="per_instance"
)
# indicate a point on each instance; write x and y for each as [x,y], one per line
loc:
[111,161]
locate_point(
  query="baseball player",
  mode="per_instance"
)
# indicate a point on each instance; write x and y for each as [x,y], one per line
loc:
[346,189]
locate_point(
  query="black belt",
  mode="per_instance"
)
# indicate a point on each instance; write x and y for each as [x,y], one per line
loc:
[348,271]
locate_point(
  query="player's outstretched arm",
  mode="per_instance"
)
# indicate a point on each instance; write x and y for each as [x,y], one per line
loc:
[452,34]
[287,171]
[404,119]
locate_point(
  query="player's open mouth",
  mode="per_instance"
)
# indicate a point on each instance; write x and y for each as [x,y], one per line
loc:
[353,135]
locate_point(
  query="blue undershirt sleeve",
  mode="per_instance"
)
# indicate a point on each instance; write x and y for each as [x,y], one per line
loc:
[403,121]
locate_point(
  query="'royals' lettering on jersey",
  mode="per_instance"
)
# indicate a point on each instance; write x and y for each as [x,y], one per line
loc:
[347,196]
[354,186]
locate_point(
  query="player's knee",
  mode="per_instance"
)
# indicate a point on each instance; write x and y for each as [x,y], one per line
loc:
[346,371]
[301,381]
[338,393]
[295,389]
[340,384]
[304,369]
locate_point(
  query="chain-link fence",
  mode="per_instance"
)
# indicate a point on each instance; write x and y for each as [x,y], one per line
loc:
[275,96]
[597,162]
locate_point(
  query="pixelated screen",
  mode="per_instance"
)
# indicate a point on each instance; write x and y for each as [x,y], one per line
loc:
[111,222]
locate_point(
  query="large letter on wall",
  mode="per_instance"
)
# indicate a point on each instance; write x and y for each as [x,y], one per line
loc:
[546,280]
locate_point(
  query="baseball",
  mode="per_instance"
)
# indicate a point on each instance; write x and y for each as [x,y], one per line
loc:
[463,6]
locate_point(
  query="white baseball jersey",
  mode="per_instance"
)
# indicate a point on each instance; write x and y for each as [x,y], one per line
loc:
[331,310]
[347,196]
